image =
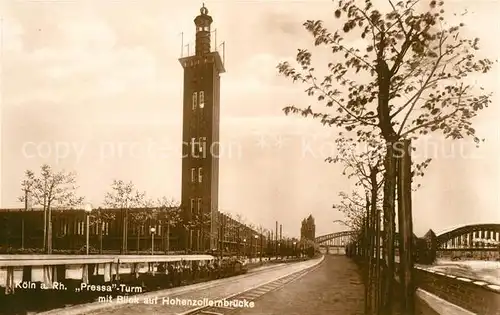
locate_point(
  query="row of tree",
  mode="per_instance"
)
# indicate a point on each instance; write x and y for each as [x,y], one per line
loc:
[398,71]
[52,189]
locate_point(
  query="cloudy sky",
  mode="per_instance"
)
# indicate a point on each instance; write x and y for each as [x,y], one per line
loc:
[96,87]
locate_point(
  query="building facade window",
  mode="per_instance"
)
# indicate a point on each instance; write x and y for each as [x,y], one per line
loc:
[64,228]
[200,174]
[195,100]
[193,175]
[80,228]
[199,205]
[192,204]
[202,144]
[202,99]
[193,147]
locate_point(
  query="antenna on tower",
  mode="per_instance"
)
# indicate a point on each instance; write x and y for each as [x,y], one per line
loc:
[223,52]
[215,37]
[182,44]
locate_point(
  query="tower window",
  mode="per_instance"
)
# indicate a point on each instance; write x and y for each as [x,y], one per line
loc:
[192,204]
[199,205]
[193,147]
[200,174]
[202,143]
[202,99]
[206,29]
[195,100]
[193,175]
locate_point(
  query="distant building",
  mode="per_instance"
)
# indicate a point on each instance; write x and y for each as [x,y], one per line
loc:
[25,229]
[308,229]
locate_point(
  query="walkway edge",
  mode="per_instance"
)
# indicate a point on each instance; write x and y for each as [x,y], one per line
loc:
[440,305]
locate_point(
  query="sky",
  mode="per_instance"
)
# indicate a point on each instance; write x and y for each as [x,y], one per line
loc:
[96,87]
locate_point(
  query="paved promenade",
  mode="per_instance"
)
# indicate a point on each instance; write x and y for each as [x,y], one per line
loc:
[334,288]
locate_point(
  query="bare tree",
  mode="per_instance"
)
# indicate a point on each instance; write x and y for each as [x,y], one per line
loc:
[139,216]
[123,196]
[262,231]
[239,230]
[50,190]
[169,215]
[27,187]
[100,218]
[199,223]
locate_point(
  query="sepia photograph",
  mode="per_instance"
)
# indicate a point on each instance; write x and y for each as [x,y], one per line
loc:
[249,157]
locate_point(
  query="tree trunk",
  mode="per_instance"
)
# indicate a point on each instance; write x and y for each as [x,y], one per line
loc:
[168,236]
[44,228]
[49,229]
[375,239]
[405,230]
[373,236]
[138,239]
[45,218]
[100,237]
[125,249]
[377,266]
[368,260]
[122,248]
[389,227]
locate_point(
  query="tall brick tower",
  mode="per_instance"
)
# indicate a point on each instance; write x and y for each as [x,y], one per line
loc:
[200,163]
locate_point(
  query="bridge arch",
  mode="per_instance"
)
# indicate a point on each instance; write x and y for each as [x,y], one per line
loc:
[463,237]
[470,236]
[337,239]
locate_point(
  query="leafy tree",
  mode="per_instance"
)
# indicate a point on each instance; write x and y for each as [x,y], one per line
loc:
[353,207]
[123,196]
[365,167]
[50,190]
[409,79]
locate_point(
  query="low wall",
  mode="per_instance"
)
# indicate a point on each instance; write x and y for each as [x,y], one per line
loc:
[478,297]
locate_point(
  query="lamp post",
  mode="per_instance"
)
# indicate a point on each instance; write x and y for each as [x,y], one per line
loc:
[255,245]
[244,246]
[88,209]
[153,230]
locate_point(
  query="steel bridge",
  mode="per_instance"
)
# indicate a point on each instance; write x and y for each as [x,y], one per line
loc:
[337,239]
[474,237]
[471,237]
